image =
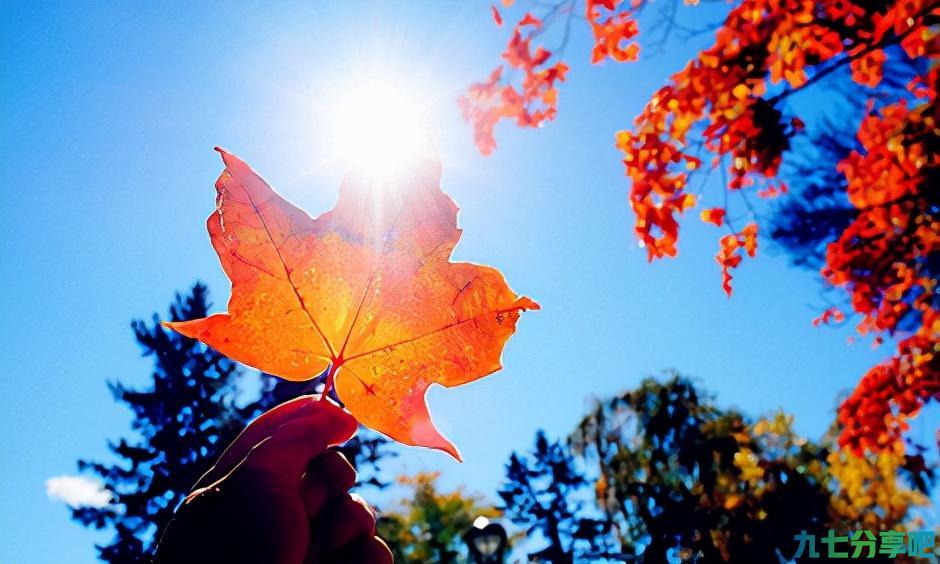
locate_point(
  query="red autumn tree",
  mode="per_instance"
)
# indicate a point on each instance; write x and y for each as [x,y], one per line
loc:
[725,111]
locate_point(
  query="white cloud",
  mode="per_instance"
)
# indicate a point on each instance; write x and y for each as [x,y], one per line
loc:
[78,491]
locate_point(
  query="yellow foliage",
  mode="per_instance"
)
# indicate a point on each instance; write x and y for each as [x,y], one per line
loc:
[746,461]
[868,487]
[427,525]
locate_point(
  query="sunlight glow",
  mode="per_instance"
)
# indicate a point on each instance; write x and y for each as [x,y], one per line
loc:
[380,127]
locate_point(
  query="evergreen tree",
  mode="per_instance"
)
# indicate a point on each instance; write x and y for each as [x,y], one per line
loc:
[195,404]
[183,419]
[540,493]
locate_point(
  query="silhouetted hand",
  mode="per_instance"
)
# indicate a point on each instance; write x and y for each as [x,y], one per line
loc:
[277,495]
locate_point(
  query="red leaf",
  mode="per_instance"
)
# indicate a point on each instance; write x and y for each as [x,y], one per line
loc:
[496,16]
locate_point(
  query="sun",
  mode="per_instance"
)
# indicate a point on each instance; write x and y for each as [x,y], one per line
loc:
[380,127]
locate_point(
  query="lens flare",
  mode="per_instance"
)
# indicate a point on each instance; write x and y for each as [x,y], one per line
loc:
[380,127]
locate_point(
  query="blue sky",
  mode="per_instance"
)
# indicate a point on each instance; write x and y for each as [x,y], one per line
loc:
[108,115]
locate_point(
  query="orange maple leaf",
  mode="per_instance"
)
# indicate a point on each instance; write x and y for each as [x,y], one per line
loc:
[715,216]
[366,289]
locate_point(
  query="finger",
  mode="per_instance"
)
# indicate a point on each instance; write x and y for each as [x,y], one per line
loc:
[342,520]
[264,426]
[328,475]
[368,550]
[284,456]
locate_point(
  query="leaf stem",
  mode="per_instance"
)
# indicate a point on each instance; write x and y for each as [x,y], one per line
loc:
[330,378]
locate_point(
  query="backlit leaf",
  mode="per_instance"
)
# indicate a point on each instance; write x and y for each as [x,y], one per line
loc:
[366,289]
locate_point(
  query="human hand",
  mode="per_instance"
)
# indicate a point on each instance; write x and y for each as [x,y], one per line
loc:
[277,495]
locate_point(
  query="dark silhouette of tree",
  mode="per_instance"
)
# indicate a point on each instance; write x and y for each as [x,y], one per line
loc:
[541,494]
[818,209]
[675,477]
[195,404]
[183,418]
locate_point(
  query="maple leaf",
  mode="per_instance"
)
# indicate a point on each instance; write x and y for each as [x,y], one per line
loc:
[715,216]
[366,289]
[727,106]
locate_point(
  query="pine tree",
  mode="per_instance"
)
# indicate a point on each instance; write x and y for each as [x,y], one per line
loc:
[540,494]
[183,419]
[195,404]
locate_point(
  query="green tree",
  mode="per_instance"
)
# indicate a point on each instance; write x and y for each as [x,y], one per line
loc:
[428,525]
[680,476]
[677,477]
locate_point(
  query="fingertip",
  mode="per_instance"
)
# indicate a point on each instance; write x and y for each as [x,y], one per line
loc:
[362,501]
[344,428]
[344,425]
[332,470]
